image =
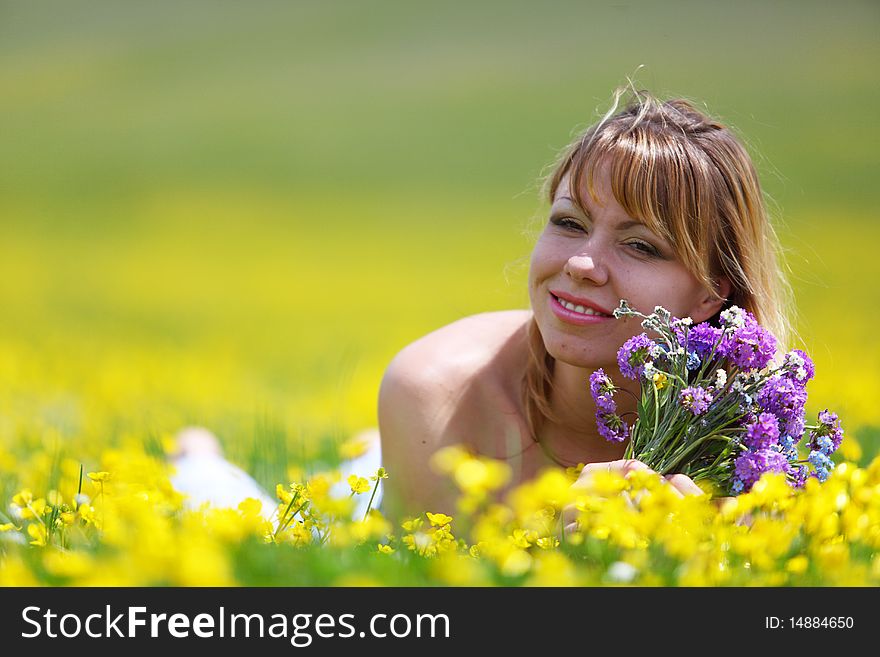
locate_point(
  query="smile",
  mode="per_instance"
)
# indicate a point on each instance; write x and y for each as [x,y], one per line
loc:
[578,309]
[573,313]
[568,305]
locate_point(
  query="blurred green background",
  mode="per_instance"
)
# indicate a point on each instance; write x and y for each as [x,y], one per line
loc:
[234,214]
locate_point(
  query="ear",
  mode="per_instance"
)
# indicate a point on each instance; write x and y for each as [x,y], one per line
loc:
[708,305]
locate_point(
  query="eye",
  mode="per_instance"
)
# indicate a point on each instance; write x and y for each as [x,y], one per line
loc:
[567,223]
[644,248]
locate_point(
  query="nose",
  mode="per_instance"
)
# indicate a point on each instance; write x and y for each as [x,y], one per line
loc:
[587,267]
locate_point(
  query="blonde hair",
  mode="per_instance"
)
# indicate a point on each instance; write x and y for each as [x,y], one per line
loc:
[689,179]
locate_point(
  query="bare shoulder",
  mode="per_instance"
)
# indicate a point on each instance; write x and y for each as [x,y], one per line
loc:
[458,349]
[426,390]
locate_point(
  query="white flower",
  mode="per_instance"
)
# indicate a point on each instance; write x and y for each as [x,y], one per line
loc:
[720,378]
[649,370]
[734,317]
[662,313]
[797,363]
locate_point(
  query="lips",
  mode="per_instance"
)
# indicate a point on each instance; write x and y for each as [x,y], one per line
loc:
[580,305]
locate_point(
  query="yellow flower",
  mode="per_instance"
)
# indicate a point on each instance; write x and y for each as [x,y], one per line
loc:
[547,542]
[99,476]
[386,549]
[38,533]
[34,509]
[659,380]
[352,448]
[515,563]
[23,498]
[250,507]
[438,519]
[8,527]
[797,565]
[413,524]
[358,485]
[283,493]
[574,472]
[380,474]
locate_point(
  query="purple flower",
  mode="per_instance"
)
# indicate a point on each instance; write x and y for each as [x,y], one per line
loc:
[762,433]
[600,384]
[795,427]
[782,397]
[631,357]
[798,475]
[750,346]
[703,338]
[751,465]
[695,399]
[829,435]
[602,389]
[612,427]
[827,418]
[798,366]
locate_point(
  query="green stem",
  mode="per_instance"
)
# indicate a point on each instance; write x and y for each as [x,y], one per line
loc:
[677,458]
[292,516]
[78,488]
[284,515]
[373,495]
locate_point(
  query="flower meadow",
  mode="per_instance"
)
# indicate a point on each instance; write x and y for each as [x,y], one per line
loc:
[126,526]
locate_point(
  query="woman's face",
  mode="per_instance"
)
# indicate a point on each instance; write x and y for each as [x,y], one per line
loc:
[586,263]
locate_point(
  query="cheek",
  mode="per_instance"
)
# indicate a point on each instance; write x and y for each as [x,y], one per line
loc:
[674,291]
[545,261]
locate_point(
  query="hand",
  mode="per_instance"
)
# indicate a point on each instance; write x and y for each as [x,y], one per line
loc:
[681,484]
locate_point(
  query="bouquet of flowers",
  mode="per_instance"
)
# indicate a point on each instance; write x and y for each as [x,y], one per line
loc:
[713,405]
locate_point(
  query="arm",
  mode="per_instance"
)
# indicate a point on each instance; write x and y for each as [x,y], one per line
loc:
[412,415]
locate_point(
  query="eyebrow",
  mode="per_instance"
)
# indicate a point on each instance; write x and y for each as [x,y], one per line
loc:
[621,226]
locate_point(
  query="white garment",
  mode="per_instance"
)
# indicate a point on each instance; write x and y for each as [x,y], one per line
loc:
[205,477]
[211,479]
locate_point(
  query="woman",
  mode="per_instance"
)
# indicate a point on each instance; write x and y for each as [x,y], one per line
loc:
[657,204]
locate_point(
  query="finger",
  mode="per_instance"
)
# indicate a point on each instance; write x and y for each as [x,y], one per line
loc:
[621,467]
[569,515]
[684,484]
[719,502]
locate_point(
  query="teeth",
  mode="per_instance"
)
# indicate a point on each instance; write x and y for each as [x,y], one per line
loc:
[579,309]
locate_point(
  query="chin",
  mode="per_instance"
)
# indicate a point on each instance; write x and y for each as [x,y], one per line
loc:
[566,349]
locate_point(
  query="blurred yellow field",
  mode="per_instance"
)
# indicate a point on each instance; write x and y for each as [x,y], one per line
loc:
[241,234]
